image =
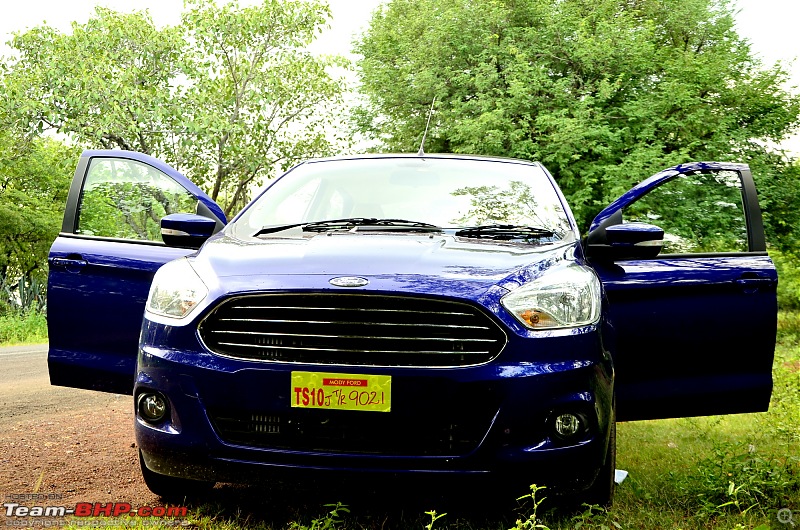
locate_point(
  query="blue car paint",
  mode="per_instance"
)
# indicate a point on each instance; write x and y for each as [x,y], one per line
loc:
[667,310]
[98,288]
[113,282]
[568,369]
[538,372]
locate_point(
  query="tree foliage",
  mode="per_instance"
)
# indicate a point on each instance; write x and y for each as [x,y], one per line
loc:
[229,96]
[603,92]
[110,83]
[256,98]
[34,180]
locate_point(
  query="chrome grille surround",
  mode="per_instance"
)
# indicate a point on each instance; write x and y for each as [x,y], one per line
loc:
[352,329]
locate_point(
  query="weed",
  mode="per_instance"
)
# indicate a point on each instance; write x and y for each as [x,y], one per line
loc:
[434,517]
[594,517]
[737,477]
[23,327]
[533,520]
[789,327]
[329,521]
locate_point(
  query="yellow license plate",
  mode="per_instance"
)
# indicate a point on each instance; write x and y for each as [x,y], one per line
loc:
[320,390]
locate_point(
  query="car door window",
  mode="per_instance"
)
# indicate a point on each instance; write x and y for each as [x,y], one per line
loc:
[126,199]
[700,212]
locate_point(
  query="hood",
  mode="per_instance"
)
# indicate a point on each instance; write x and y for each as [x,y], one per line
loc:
[438,263]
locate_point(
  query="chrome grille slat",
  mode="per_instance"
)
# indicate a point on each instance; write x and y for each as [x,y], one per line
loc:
[344,322]
[435,352]
[258,333]
[348,309]
[352,329]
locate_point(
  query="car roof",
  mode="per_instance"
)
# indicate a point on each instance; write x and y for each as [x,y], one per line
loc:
[415,156]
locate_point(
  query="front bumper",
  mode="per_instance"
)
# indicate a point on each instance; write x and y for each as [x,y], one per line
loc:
[231,420]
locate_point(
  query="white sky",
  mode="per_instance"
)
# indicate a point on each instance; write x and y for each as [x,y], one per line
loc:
[770,25]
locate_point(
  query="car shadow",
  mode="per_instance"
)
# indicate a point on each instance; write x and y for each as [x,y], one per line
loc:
[385,503]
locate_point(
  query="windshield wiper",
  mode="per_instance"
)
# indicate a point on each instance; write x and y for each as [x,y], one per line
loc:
[505,232]
[372,224]
[348,223]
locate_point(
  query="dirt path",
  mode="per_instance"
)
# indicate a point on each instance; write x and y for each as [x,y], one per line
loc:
[75,444]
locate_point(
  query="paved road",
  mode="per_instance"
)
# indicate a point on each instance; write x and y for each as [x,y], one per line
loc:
[25,391]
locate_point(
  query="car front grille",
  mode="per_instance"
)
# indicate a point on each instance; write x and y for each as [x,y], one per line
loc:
[352,329]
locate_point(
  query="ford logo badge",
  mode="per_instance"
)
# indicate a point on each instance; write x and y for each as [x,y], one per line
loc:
[348,281]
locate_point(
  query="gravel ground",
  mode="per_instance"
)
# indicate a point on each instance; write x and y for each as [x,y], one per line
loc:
[74,445]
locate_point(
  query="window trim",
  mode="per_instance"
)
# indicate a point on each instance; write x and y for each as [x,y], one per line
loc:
[69,225]
[612,214]
[756,237]
[747,209]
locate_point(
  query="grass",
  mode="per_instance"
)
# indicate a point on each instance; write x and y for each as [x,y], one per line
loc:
[720,472]
[28,327]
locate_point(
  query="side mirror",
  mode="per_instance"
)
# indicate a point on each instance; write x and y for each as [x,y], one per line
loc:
[186,230]
[626,241]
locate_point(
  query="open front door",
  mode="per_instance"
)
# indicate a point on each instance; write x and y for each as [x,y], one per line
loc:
[694,326]
[103,261]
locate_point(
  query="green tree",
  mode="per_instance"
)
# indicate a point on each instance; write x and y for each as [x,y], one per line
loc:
[256,99]
[603,92]
[34,180]
[229,96]
[109,84]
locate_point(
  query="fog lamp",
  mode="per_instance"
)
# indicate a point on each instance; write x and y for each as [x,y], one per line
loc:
[567,425]
[152,407]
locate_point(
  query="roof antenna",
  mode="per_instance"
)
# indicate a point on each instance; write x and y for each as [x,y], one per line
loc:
[421,151]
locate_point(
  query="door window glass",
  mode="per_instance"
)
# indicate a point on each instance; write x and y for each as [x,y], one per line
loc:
[699,212]
[126,199]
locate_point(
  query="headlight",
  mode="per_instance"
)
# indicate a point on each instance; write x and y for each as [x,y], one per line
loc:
[563,298]
[176,290]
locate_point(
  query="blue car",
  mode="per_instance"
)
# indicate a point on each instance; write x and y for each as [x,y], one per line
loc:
[408,314]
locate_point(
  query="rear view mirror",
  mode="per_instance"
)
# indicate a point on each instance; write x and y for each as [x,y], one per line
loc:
[186,230]
[626,241]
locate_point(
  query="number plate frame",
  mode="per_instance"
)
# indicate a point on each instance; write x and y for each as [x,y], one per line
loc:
[335,391]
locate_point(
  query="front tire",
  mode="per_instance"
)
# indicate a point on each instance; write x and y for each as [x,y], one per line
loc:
[601,492]
[173,488]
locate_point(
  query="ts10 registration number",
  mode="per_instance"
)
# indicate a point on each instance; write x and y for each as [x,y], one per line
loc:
[321,390]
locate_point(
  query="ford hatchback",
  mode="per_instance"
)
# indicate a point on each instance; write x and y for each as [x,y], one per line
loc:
[428,314]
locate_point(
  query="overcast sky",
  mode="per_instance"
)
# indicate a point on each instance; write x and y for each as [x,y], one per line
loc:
[770,25]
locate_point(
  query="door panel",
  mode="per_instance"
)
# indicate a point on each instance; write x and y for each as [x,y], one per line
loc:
[695,326]
[102,264]
[691,340]
[95,309]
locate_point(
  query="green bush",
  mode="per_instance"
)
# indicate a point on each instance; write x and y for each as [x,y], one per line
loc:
[739,477]
[23,327]
[788,330]
[788,266]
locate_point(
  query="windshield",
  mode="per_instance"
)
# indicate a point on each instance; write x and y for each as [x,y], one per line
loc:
[446,193]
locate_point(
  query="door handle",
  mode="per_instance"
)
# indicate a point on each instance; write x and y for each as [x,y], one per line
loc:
[68,263]
[751,283]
